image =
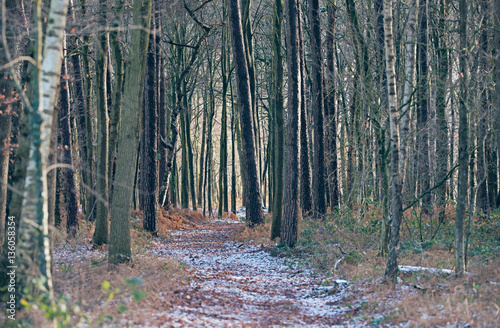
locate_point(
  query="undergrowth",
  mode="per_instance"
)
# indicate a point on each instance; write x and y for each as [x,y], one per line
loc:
[346,244]
[89,291]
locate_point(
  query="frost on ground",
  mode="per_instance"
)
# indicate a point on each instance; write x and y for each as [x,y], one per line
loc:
[234,284]
[242,285]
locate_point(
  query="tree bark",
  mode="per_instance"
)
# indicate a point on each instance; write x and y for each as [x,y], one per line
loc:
[408,87]
[279,113]
[330,111]
[290,203]
[396,205]
[101,224]
[496,57]
[318,190]
[7,110]
[149,145]
[116,101]
[305,171]
[91,199]
[442,125]
[190,157]
[463,151]
[34,244]
[67,158]
[482,168]
[223,186]
[128,141]
[253,204]
[80,108]
[422,108]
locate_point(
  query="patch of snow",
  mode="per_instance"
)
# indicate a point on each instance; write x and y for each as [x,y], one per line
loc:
[408,268]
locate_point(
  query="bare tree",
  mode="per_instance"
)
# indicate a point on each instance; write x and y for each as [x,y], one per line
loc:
[252,190]
[396,205]
[290,204]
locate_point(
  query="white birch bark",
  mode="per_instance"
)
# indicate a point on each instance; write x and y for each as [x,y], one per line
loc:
[34,243]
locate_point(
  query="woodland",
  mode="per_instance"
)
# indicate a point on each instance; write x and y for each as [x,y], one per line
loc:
[256,163]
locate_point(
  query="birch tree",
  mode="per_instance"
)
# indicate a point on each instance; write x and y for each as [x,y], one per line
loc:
[396,206]
[34,245]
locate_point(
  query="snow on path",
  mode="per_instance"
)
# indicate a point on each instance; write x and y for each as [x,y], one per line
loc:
[240,285]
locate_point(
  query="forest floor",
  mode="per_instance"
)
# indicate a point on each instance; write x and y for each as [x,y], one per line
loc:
[202,272]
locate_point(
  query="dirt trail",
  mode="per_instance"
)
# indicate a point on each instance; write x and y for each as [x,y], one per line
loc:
[241,285]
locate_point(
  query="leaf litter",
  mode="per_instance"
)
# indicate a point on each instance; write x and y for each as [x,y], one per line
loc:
[238,284]
[228,283]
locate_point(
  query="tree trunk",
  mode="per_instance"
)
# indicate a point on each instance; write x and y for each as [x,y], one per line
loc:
[396,205]
[202,154]
[463,151]
[7,107]
[116,106]
[34,245]
[305,172]
[290,202]
[279,113]
[162,123]
[482,169]
[318,190]
[79,105]
[330,111]
[119,239]
[253,204]
[190,158]
[408,87]
[223,186]
[149,164]
[422,108]
[184,162]
[233,150]
[249,55]
[442,125]
[496,110]
[101,225]
[66,144]
[91,199]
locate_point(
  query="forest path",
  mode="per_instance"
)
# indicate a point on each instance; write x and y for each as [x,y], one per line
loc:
[241,285]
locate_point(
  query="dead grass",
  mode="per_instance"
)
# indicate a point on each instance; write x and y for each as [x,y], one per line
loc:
[347,245]
[258,235]
[145,282]
[230,216]
[447,300]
